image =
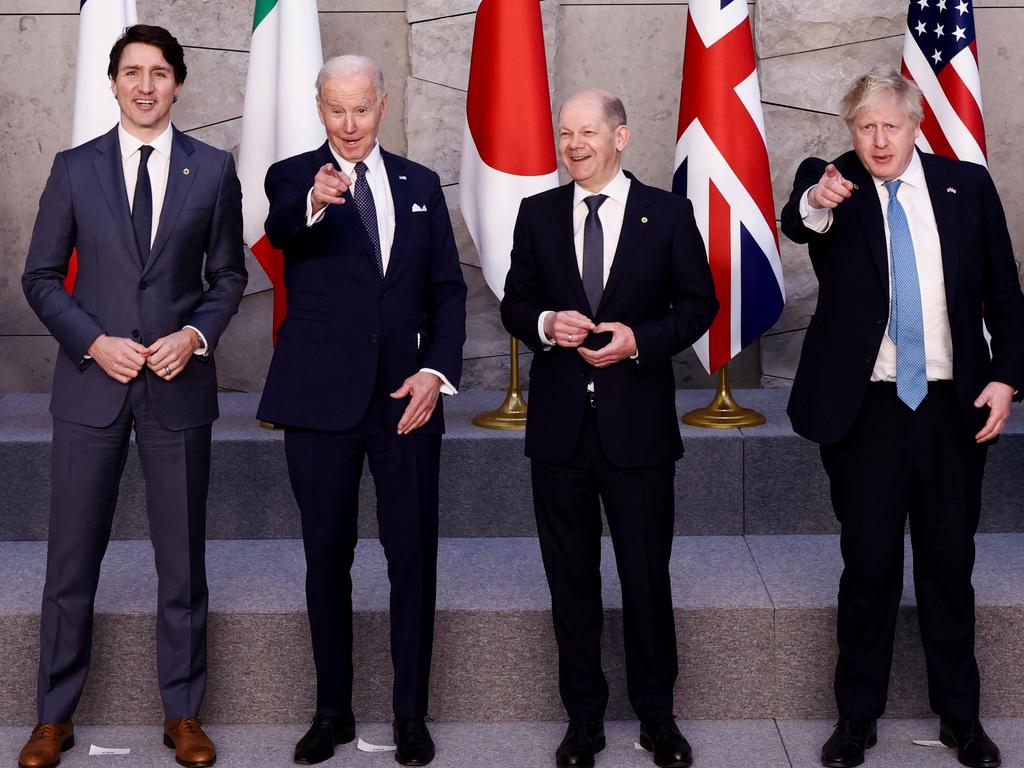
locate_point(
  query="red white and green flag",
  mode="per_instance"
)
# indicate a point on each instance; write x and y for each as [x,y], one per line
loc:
[279,118]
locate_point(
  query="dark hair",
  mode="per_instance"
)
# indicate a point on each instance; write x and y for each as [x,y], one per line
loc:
[158,37]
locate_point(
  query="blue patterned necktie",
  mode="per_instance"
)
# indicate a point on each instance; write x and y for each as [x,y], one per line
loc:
[363,196]
[593,253]
[906,325]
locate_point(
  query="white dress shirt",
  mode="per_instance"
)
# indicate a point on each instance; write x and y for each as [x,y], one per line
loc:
[384,204]
[913,196]
[610,214]
[159,165]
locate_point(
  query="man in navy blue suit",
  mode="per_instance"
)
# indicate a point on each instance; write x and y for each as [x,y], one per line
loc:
[151,212]
[373,335]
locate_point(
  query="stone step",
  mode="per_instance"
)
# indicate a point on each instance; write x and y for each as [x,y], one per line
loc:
[763,480]
[716,744]
[755,619]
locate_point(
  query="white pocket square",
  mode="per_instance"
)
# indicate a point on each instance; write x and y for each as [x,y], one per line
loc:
[417,208]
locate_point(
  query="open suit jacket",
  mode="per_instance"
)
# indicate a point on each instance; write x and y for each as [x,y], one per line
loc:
[345,326]
[84,206]
[659,285]
[850,261]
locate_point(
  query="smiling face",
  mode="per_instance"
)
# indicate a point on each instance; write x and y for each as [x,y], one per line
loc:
[883,136]
[590,148]
[145,89]
[351,110]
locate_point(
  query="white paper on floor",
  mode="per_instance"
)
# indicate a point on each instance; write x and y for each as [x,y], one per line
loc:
[928,743]
[94,750]
[365,746]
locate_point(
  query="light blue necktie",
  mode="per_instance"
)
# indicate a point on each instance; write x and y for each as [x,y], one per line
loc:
[906,325]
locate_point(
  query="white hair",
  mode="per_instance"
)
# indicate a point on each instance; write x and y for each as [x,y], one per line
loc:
[349,66]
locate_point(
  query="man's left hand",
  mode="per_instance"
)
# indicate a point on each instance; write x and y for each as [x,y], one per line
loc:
[997,396]
[424,389]
[622,345]
[169,354]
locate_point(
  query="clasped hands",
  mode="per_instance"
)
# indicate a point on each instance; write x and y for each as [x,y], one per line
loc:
[570,329]
[122,359]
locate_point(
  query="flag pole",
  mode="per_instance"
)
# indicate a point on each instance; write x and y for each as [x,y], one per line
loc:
[511,414]
[723,412]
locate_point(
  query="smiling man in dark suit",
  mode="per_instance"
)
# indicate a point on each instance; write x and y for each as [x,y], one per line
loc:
[143,205]
[609,279]
[373,335]
[898,386]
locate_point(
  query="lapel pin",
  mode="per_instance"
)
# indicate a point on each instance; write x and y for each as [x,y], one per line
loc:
[951,190]
[643,220]
[185,171]
[402,178]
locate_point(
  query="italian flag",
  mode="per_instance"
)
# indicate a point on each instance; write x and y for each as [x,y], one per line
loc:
[508,149]
[100,23]
[279,118]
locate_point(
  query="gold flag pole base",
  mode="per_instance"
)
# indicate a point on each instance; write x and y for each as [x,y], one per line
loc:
[512,413]
[723,412]
[268,425]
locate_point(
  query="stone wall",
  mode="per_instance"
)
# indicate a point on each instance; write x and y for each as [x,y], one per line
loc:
[808,51]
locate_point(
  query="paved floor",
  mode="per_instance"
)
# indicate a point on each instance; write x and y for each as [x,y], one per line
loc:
[717,744]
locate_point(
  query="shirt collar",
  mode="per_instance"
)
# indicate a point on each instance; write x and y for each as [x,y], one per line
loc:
[374,161]
[130,144]
[617,189]
[913,176]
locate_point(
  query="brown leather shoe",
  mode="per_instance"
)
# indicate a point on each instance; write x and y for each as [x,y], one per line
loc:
[192,747]
[43,748]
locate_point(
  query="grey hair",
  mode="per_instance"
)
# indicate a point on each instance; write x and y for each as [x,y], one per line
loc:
[869,86]
[348,66]
[612,109]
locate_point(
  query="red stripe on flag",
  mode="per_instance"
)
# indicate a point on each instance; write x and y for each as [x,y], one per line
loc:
[272,261]
[511,127]
[720,260]
[69,278]
[963,103]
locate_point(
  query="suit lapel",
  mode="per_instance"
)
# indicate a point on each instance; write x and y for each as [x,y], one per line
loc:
[179,181]
[345,216]
[947,221]
[634,227]
[110,172]
[868,206]
[402,197]
[565,248]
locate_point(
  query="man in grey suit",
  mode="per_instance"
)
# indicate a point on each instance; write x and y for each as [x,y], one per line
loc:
[142,205]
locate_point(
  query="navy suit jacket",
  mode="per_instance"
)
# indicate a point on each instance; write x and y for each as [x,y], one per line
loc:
[348,333]
[850,261]
[659,285]
[84,206]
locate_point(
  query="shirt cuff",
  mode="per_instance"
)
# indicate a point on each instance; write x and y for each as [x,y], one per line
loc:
[815,219]
[446,386]
[548,343]
[204,350]
[312,218]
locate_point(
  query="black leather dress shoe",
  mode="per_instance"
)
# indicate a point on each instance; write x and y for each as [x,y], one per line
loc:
[412,741]
[662,737]
[583,739]
[973,746]
[845,747]
[319,742]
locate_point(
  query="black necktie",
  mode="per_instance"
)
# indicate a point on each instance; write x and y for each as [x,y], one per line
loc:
[142,204]
[593,253]
[367,212]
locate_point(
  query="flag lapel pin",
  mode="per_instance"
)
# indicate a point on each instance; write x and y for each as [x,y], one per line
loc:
[402,178]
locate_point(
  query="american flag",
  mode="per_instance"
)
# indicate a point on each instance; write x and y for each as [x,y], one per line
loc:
[940,54]
[721,165]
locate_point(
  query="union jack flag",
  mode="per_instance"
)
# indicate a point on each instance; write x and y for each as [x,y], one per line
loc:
[940,54]
[721,165]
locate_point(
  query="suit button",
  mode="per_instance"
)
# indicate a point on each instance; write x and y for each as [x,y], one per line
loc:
[143,285]
[374,338]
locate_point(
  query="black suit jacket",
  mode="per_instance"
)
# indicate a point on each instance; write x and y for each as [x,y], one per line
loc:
[84,206]
[347,331]
[659,285]
[850,261]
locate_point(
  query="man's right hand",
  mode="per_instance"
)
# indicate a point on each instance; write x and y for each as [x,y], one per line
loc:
[329,186]
[120,358]
[567,328]
[830,190]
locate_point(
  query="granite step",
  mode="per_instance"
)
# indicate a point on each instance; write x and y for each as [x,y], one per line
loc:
[763,480]
[755,619]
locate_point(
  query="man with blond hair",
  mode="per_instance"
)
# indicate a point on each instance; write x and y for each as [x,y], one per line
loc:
[899,388]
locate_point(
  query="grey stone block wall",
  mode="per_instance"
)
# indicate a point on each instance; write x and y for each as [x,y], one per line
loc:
[808,50]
